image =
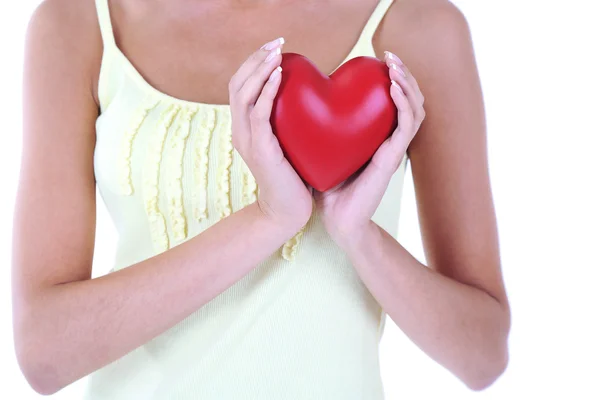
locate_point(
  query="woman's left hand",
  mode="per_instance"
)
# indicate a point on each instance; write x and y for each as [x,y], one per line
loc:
[347,209]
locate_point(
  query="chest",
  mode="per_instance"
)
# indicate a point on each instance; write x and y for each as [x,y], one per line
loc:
[164,160]
[190,50]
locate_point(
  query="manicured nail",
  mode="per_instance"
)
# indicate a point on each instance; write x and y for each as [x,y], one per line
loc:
[397,86]
[273,44]
[392,56]
[274,74]
[273,54]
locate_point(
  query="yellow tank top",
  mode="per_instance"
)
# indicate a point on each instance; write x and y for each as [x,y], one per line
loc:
[299,326]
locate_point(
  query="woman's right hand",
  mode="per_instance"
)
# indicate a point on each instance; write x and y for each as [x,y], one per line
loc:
[283,195]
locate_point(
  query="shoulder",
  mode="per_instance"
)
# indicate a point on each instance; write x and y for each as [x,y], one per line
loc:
[431,19]
[66,35]
[422,32]
[419,11]
[65,22]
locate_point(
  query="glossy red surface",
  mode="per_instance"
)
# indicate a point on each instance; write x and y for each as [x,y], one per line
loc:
[329,127]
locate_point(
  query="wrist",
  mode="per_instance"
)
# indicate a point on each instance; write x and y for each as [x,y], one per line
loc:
[353,238]
[285,223]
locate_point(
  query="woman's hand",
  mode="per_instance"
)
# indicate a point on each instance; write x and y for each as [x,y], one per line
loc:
[282,195]
[348,208]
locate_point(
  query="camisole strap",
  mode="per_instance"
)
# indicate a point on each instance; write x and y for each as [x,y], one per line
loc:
[107,85]
[374,21]
[106,29]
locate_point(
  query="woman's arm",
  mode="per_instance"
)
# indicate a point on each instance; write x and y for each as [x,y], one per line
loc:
[67,325]
[456,310]
[457,321]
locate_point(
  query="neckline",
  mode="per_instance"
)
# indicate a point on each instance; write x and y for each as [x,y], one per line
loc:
[135,74]
[143,82]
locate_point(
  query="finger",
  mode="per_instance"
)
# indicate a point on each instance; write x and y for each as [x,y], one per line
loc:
[241,137]
[401,74]
[390,153]
[261,113]
[397,73]
[385,158]
[378,172]
[248,94]
[392,150]
[406,119]
[251,63]
[414,97]
[391,58]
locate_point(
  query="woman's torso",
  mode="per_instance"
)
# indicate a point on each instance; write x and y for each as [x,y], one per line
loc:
[301,325]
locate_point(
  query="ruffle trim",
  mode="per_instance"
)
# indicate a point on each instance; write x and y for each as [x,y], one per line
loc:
[224,160]
[249,186]
[176,150]
[128,138]
[158,226]
[290,248]
[201,153]
[175,184]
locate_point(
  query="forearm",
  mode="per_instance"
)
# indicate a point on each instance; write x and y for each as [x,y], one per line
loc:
[74,328]
[461,327]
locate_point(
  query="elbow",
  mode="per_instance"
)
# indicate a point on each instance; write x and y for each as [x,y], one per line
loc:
[35,348]
[490,361]
[42,386]
[41,376]
[487,372]
[36,363]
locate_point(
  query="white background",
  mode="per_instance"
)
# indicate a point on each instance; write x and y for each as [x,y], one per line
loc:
[539,65]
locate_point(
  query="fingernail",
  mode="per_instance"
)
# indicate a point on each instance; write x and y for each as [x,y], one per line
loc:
[274,74]
[397,86]
[273,54]
[392,56]
[273,44]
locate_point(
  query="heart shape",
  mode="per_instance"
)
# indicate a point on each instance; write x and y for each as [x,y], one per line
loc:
[330,126]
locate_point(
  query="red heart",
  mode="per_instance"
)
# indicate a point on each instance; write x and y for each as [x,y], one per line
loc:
[329,127]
